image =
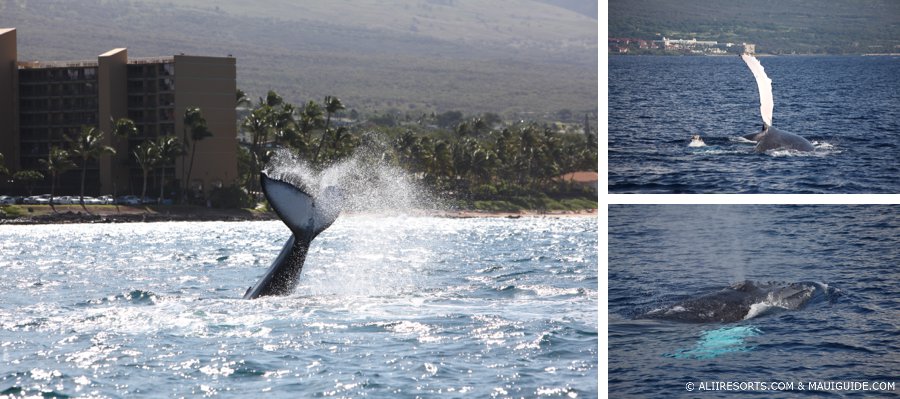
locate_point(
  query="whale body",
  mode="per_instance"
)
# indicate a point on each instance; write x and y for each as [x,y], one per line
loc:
[770,138]
[744,300]
[306,217]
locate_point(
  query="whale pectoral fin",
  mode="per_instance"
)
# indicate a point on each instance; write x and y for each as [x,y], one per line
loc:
[766,103]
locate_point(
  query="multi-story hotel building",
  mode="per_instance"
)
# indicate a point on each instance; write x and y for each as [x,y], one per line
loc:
[41,103]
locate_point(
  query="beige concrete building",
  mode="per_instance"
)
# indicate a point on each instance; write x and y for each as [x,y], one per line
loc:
[41,103]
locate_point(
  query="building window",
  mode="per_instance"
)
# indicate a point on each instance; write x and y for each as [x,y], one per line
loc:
[166,115]
[167,84]
[167,69]
[167,100]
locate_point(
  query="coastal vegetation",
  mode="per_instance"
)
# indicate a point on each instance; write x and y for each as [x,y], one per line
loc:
[475,162]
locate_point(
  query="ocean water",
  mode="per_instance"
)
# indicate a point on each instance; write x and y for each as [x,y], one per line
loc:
[662,254]
[387,307]
[848,107]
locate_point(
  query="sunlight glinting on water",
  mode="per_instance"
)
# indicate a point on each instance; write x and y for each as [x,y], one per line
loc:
[456,306]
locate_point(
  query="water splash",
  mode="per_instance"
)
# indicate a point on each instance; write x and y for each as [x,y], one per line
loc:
[366,180]
[381,196]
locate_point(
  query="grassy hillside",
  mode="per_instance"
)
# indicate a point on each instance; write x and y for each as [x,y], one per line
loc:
[514,23]
[514,57]
[776,26]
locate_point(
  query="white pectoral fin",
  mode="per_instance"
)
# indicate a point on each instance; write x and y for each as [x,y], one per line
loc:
[766,102]
[297,209]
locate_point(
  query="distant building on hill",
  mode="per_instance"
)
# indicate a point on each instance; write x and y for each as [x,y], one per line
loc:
[749,48]
[41,103]
[666,45]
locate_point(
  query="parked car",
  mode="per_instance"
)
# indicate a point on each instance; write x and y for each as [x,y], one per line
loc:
[92,201]
[43,199]
[128,200]
[65,200]
[106,199]
[7,200]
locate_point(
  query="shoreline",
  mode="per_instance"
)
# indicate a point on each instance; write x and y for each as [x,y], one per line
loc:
[74,214]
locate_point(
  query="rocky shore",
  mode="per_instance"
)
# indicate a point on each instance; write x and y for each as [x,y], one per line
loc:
[39,214]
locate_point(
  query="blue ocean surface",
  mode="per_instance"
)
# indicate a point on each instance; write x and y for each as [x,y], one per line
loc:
[660,255]
[848,107]
[397,307]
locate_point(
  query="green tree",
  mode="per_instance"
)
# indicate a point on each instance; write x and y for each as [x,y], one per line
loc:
[242,100]
[123,128]
[195,123]
[168,148]
[86,146]
[57,163]
[257,124]
[29,177]
[449,119]
[147,157]
[3,169]
[332,105]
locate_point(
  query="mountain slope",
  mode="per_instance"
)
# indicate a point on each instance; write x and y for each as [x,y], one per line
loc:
[517,57]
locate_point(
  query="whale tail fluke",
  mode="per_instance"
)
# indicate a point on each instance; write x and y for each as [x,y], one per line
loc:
[305,216]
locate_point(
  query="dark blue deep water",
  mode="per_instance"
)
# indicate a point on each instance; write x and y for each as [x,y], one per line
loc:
[659,255]
[848,107]
[387,307]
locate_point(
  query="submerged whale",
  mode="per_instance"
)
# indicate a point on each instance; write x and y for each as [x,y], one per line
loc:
[306,217]
[744,300]
[770,138]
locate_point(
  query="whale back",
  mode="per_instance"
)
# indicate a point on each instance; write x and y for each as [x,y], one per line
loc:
[741,301]
[773,138]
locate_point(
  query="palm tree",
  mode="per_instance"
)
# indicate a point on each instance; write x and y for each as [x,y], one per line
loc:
[147,156]
[57,163]
[310,117]
[168,147]
[3,169]
[332,105]
[87,146]
[122,128]
[258,124]
[193,120]
[242,99]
